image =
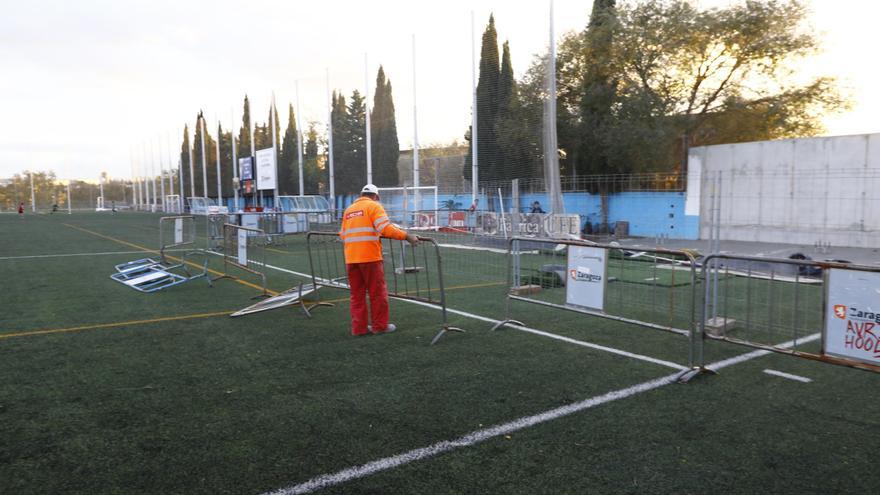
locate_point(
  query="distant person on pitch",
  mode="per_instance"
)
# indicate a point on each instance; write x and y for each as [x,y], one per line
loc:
[21,210]
[364,223]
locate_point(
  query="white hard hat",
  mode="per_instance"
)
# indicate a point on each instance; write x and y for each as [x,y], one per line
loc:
[370,188]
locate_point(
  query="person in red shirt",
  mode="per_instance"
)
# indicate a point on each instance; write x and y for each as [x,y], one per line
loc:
[21,210]
[364,223]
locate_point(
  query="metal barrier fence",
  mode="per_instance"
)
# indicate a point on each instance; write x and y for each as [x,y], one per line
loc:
[177,231]
[245,249]
[413,273]
[654,288]
[786,305]
[214,230]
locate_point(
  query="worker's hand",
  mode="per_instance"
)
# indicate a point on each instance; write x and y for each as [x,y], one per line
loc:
[412,239]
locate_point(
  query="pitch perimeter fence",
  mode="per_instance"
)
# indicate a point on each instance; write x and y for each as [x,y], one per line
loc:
[652,288]
[780,305]
[411,272]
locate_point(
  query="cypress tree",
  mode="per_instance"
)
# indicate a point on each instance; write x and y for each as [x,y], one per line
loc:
[383,134]
[312,173]
[244,133]
[288,162]
[355,142]
[487,107]
[184,161]
[339,117]
[197,156]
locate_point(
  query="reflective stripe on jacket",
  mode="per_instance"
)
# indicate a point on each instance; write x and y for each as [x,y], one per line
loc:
[364,223]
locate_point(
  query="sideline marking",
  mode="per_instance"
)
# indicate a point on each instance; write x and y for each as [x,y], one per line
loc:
[789,376]
[473,438]
[95,326]
[67,255]
[196,265]
[534,331]
[113,325]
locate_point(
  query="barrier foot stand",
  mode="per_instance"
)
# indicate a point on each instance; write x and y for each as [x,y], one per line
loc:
[306,308]
[446,328]
[687,375]
[507,322]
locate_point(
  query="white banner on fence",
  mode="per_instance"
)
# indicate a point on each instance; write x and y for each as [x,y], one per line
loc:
[266,169]
[585,278]
[242,247]
[852,315]
[178,231]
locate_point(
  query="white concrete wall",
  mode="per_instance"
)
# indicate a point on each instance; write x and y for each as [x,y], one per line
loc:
[796,191]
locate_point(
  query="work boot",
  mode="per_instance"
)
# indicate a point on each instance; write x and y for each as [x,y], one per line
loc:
[389,329]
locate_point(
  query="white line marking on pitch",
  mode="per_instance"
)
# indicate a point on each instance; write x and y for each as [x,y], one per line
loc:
[473,438]
[534,331]
[68,255]
[789,376]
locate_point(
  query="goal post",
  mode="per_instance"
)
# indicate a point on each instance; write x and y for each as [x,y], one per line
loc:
[416,207]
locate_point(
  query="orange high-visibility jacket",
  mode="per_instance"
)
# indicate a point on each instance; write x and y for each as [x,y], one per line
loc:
[364,223]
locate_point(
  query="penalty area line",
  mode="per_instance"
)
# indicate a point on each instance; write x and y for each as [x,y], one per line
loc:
[478,436]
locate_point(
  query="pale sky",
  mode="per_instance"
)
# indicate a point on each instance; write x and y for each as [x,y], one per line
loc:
[84,83]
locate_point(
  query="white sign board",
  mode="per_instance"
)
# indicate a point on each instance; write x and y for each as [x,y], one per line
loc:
[852,315]
[266,169]
[178,231]
[585,278]
[242,247]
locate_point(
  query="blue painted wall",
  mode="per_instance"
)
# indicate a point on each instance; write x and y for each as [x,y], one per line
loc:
[649,213]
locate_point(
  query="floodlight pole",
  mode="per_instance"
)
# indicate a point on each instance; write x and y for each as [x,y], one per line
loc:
[146,179]
[330,141]
[273,117]
[170,164]
[474,166]
[204,160]
[134,192]
[254,174]
[367,112]
[155,203]
[192,176]
[299,144]
[415,129]
[180,177]
[161,172]
[219,185]
[235,171]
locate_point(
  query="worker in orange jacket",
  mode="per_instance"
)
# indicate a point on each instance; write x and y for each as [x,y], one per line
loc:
[364,223]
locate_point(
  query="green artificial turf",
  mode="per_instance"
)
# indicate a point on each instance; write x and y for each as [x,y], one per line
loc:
[108,390]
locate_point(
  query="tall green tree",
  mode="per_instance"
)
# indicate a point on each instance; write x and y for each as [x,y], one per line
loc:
[210,164]
[644,75]
[356,149]
[288,161]
[313,173]
[184,161]
[383,134]
[340,123]
[488,156]
[598,92]
[227,163]
[244,132]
